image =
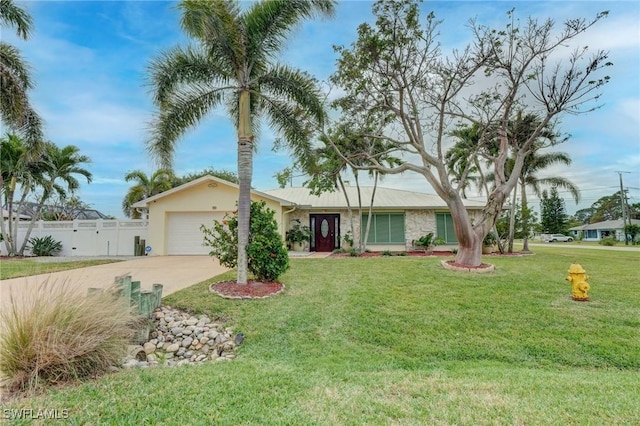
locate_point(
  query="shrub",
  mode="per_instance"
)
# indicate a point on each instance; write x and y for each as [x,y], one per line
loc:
[268,257]
[608,241]
[386,253]
[426,242]
[55,335]
[354,252]
[439,241]
[298,234]
[45,246]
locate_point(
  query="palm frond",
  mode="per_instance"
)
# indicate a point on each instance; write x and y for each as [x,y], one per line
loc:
[179,67]
[283,82]
[13,16]
[217,25]
[269,23]
[184,110]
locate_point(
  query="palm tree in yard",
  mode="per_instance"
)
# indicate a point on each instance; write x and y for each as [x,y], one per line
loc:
[145,186]
[535,163]
[16,111]
[232,64]
[61,166]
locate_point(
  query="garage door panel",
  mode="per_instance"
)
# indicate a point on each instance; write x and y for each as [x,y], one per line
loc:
[184,236]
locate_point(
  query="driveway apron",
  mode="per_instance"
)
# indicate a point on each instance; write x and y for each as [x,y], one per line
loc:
[173,272]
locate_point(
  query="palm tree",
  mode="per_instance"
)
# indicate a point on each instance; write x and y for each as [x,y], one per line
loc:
[59,172]
[533,164]
[19,169]
[232,64]
[462,159]
[15,110]
[146,186]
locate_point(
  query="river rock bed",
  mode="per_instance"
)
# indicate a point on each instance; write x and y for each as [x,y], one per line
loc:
[178,338]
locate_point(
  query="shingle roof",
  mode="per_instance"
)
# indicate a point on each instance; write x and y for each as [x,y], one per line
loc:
[607,224]
[385,198]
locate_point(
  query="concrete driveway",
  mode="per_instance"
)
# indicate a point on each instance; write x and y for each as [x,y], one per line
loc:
[173,272]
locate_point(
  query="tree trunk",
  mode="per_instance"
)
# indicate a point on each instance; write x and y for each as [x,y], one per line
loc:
[373,196]
[525,219]
[19,213]
[349,209]
[360,244]
[32,222]
[470,236]
[9,239]
[245,174]
[512,220]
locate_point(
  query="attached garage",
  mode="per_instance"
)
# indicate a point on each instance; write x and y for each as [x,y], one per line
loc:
[184,236]
[175,216]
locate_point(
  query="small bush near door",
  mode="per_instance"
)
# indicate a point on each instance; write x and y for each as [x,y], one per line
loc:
[268,256]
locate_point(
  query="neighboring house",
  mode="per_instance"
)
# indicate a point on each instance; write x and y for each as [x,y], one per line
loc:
[600,230]
[5,215]
[399,217]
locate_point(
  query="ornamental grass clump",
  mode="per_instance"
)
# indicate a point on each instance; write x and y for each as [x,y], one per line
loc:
[55,335]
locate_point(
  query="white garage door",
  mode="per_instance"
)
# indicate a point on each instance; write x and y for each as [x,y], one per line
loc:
[184,236]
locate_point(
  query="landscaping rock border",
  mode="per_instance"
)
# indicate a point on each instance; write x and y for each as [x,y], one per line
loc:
[178,338]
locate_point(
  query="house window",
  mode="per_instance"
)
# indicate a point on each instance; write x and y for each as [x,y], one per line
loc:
[592,233]
[444,228]
[386,228]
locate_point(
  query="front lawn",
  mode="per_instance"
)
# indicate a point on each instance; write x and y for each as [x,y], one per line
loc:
[14,268]
[399,340]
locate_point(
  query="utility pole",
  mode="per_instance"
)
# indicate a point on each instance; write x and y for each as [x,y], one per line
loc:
[623,203]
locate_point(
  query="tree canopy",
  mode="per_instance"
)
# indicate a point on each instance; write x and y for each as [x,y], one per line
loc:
[397,81]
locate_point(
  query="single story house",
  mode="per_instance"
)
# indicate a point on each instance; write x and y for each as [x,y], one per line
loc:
[398,218]
[599,230]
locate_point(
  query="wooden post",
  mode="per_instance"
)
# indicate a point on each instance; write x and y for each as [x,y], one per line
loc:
[136,245]
[157,295]
[146,302]
[135,293]
[124,287]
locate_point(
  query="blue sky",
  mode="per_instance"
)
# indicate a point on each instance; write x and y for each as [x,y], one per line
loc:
[89,61]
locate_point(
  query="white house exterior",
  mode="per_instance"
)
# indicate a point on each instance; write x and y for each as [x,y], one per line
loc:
[599,230]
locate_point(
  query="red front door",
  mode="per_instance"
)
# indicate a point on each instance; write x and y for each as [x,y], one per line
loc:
[326,231]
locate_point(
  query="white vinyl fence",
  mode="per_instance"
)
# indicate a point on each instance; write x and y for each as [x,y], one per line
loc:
[88,237]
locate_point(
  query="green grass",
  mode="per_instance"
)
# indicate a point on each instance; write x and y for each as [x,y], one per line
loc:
[399,340]
[14,268]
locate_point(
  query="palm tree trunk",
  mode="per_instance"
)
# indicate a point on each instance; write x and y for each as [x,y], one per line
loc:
[11,243]
[245,174]
[36,214]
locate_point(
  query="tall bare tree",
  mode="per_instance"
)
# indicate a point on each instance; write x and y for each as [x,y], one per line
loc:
[395,74]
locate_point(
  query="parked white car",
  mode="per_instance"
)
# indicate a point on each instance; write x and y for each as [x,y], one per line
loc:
[553,238]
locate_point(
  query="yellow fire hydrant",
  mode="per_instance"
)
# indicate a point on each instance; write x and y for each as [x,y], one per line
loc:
[579,285]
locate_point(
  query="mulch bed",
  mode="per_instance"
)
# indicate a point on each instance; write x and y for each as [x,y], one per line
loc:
[251,290]
[406,253]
